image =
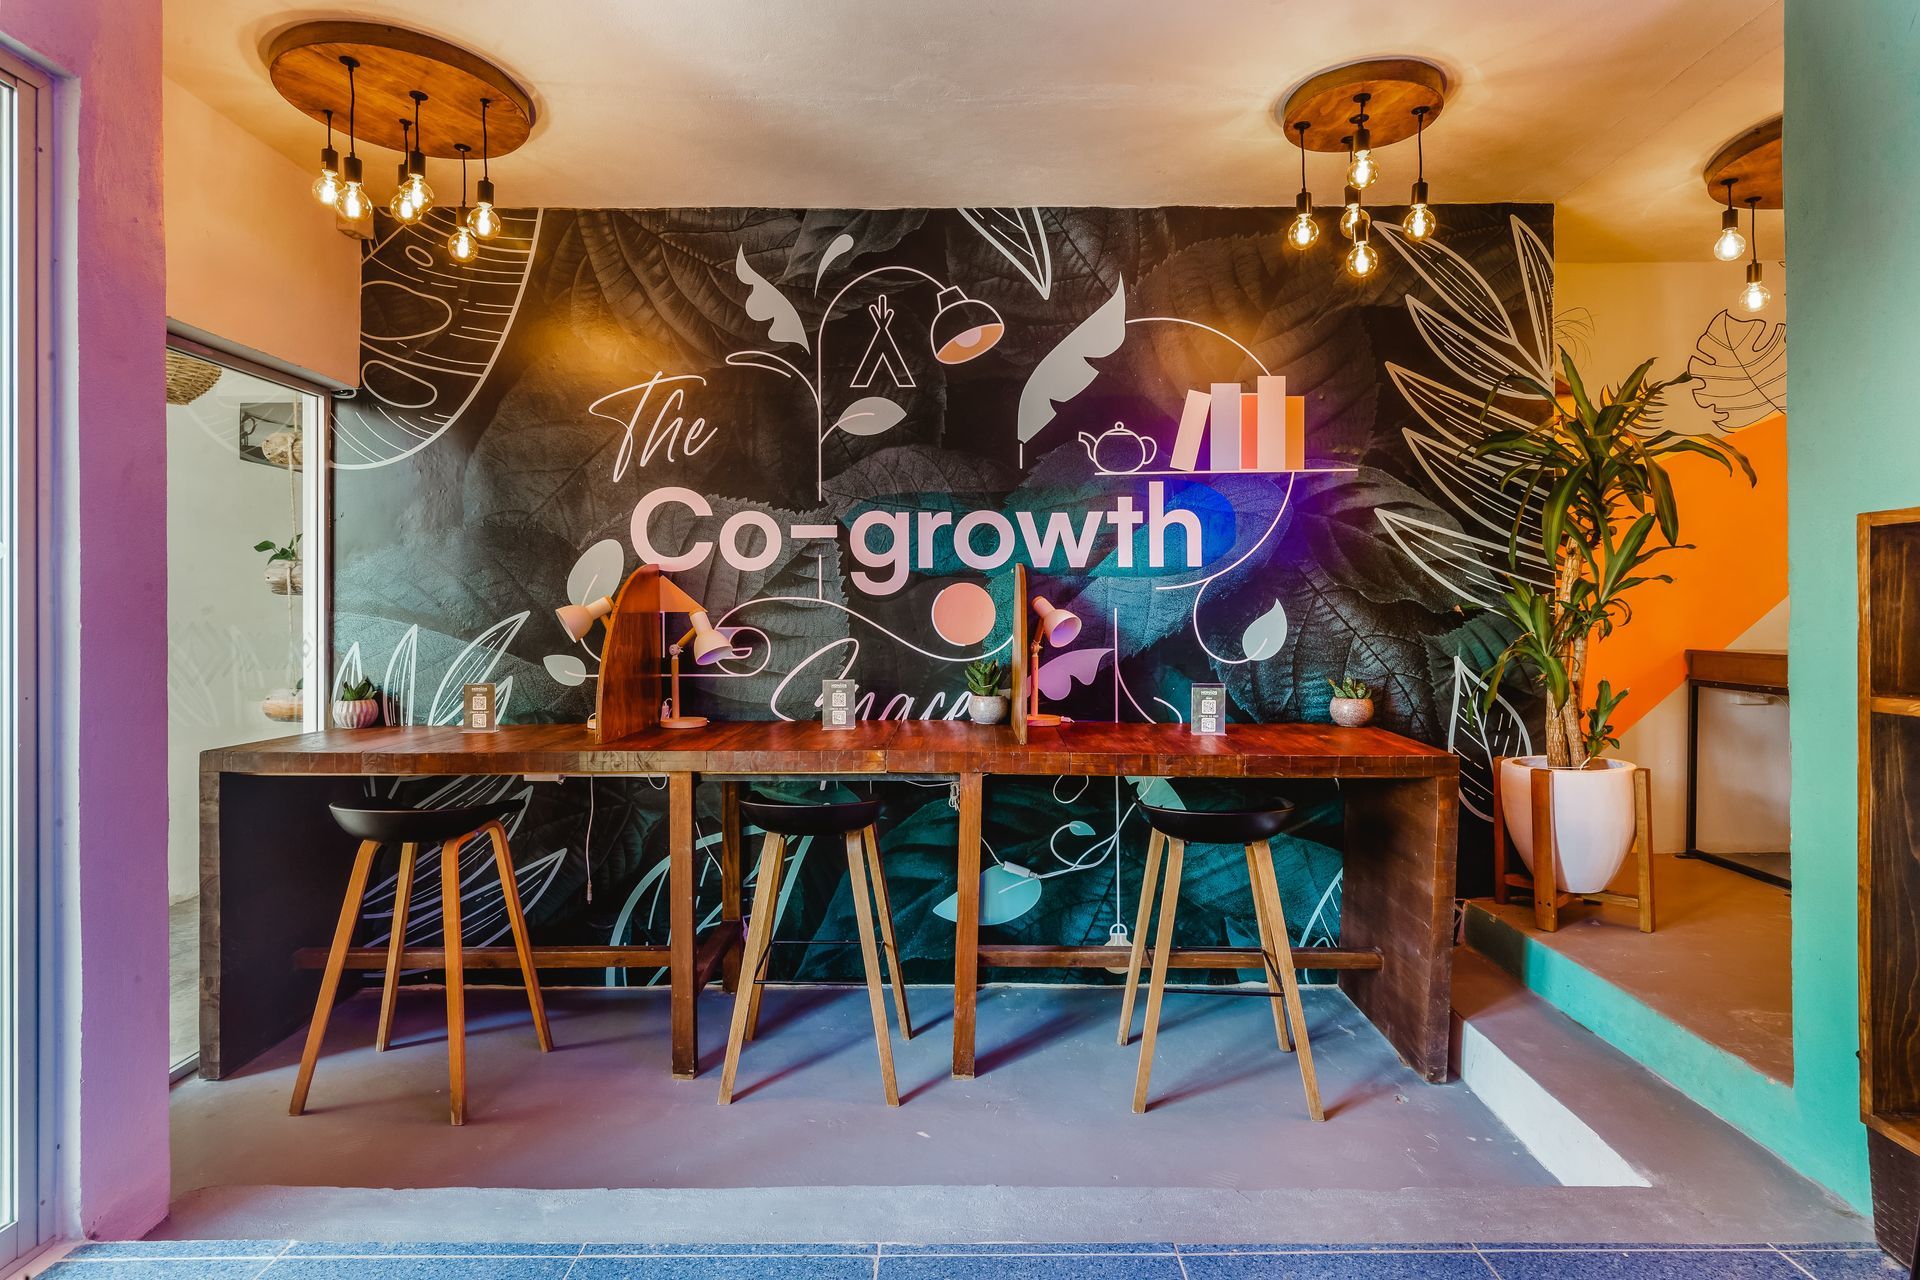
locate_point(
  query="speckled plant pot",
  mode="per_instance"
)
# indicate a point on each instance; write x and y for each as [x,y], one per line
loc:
[987,708]
[1351,712]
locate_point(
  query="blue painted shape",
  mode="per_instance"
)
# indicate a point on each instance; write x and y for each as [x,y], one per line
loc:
[1643,1264]
[1006,893]
[1847,1264]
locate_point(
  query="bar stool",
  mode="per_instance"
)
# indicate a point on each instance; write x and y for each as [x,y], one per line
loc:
[411,828]
[1172,829]
[853,822]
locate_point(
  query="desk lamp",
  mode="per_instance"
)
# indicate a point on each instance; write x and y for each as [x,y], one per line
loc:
[710,645]
[1057,627]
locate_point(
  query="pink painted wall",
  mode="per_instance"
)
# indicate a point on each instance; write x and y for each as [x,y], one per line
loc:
[108,849]
[251,257]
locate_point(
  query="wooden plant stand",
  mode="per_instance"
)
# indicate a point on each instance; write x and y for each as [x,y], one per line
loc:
[1546,908]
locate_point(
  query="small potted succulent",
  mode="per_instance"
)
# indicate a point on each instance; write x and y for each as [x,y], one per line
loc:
[986,704]
[1351,704]
[284,576]
[357,706]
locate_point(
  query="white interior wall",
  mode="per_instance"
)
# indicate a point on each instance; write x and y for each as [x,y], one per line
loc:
[227,633]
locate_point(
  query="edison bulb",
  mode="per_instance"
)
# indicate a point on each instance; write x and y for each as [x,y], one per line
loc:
[1363,170]
[484,221]
[463,245]
[1354,220]
[1755,296]
[418,191]
[354,204]
[1362,259]
[326,187]
[1729,245]
[403,207]
[1420,222]
[1303,232]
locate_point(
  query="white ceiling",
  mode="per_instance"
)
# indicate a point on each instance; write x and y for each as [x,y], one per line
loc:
[1608,108]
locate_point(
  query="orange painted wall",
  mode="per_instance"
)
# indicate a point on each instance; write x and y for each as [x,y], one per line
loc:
[1736,572]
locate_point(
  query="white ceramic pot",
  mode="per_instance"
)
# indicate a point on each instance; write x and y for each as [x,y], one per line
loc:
[1592,818]
[987,708]
[1351,712]
[357,714]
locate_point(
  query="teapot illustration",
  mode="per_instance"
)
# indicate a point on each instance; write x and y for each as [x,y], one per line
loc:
[1117,450]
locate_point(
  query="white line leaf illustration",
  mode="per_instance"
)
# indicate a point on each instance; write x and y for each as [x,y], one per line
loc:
[768,305]
[1458,284]
[869,416]
[1021,238]
[1459,561]
[1468,355]
[1536,273]
[1478,739]
[565,668]
[1067,370]
[474,664]
[597,572]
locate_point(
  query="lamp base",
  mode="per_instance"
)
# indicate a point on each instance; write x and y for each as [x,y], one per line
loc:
[683,722]
[1040,720]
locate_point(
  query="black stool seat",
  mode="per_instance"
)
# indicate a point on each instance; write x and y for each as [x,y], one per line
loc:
[401,824]
[810,819]
[1238,826]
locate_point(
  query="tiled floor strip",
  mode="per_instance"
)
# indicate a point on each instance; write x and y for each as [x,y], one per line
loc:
[301,1260]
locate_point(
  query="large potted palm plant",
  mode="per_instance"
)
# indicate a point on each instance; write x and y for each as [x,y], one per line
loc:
[1590,476]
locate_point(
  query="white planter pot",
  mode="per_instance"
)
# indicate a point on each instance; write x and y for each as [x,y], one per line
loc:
[285,577]
[987,708]
[357,714]
[1350,712]
[1592,818]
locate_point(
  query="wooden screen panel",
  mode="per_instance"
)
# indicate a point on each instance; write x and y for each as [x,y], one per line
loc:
[1020,673]
[1891,963]
[630,686]
[1892,617]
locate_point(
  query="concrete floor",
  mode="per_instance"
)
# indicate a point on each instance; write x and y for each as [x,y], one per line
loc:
[1718,963]
[1050,1106]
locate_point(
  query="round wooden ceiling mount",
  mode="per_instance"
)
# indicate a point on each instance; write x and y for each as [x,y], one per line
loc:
[1753,161]
[305,65]
[1325,102]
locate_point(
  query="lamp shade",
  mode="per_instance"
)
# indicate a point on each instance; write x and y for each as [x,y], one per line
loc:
[578,619]
[1056,625]
[709,645]
[963,327]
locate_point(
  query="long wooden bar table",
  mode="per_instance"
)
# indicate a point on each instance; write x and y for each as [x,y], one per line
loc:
[273,866]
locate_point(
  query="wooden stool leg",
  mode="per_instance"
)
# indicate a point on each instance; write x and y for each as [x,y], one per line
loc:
[730,842]
[1272,940]
[330,976]
[870,961]
[1157,985]
[759,927]
[1499,837]
[1269,886]
[456,978]
[1546,866]
[755,974]
[885,905]
[1150,876]
[1643,844]
[522,944]
[390,987]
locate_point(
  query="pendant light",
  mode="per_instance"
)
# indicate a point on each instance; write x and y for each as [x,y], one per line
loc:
[483,219]
[1756,295]
[415,187]
[1363,168]
[1729,244]
[1304,230]
[1362,258]
[463,245]
[404,208]
[354,204]
[326,187]
[1420,222]
[1351,214]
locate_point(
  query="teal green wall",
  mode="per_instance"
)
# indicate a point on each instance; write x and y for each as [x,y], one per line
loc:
[1853,413]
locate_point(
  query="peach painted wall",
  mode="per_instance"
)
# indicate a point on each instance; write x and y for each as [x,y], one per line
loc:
[251,257]
[105,848]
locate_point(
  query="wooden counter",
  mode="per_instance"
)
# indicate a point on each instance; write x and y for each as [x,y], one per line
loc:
[273,864]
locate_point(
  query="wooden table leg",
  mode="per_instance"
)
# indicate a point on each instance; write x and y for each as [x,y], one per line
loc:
[1401,846]
[680,880]
[966,929]
[730,882]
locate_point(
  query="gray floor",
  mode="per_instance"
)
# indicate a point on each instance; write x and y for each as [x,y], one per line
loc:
[1050,1106]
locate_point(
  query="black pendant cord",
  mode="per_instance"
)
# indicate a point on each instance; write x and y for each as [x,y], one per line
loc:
[329,128]
[1753,228]
[1302,127]
[1419,144]
[462,148]
[1728,184]
[353,109]
[419,139]
[485,146]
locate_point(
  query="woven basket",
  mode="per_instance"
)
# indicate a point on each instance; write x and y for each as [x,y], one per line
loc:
[189,378]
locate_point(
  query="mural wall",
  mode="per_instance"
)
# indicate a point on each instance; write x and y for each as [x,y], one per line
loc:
[807,417]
